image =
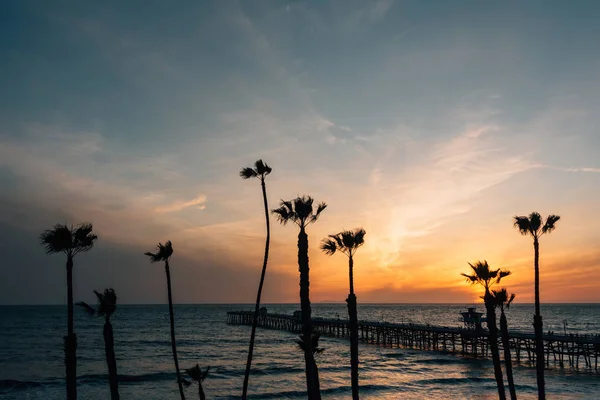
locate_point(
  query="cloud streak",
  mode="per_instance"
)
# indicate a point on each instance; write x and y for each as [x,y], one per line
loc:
[198,203]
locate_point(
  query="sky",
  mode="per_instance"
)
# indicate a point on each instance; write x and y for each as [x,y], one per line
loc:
[429,124]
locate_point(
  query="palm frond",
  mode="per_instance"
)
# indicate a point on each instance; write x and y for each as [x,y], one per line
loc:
[87,308]
[107,302]
[303,207]
[83,238]
[314,342]
[535,221]
[522,223]
[549,226]
[163,252]
[328,246]
[197,374]
[262,168]
[338,240]
[283,214]
[99,296]
[470,278]
[153,257]
[359,237]
[320,207]
[298,210]
[483,275]
[57,240]
[510,300]
[502,274]
[347,239]
[247,173]
[502,298]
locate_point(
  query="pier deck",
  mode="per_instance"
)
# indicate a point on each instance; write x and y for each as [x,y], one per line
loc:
[574,351]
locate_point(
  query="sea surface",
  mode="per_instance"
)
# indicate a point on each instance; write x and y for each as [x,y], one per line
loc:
[31,355]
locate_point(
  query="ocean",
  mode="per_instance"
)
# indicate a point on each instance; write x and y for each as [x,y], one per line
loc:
[31,355]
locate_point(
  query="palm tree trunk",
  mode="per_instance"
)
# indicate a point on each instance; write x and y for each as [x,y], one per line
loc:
[201,394]
[172,321]
[538,325]
[111,361]
[507,357]
[312,372]
[353,317]
[71,338]
[493,338]
[259,294]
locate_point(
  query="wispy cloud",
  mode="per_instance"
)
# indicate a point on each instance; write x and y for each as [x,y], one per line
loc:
[447,180]
[198,202]
[570,169]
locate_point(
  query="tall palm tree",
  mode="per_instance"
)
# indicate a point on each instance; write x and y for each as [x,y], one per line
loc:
[348,242]
[107,305]
[301,212]
[486,277]
[197,376]
[534,226]
[503,300]
[70,241]
[164,253]
[260,171]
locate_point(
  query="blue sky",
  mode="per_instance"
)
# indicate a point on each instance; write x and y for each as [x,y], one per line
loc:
[429,123]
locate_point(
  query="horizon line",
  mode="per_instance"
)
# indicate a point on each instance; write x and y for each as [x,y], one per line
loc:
[287,303]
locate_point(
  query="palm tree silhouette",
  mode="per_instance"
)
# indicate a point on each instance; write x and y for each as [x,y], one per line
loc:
[197,376]
[503,300]
[348,242]
[164,253]
[486,277]
[300,211]
[534,226]
[70,241]
[107,305]
[260,171]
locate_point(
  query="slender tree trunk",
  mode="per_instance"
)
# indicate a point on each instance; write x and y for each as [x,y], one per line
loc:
[201,394]
[71,338]
[259,294]
[353,317]
[493,338]
[111,361]
[312,372]
[538,325]
[507,357]
[172,321]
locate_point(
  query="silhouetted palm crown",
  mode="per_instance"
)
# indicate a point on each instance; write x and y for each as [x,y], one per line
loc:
[314,340]
[534,225]
[163,252]
[483,275]
[70,241]
[346,242]
[299,211]
[107,304]
[260,170]
[502,298]
[197,374]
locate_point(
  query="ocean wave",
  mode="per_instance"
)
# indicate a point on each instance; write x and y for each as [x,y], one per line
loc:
[14,385]
[442,361]
[453,381]
[301,394]
[89,379]
[126,378]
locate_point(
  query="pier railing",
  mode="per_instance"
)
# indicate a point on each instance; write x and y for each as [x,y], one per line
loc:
[574,351]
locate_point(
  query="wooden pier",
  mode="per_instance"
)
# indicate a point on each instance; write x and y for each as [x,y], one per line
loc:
[574,351]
